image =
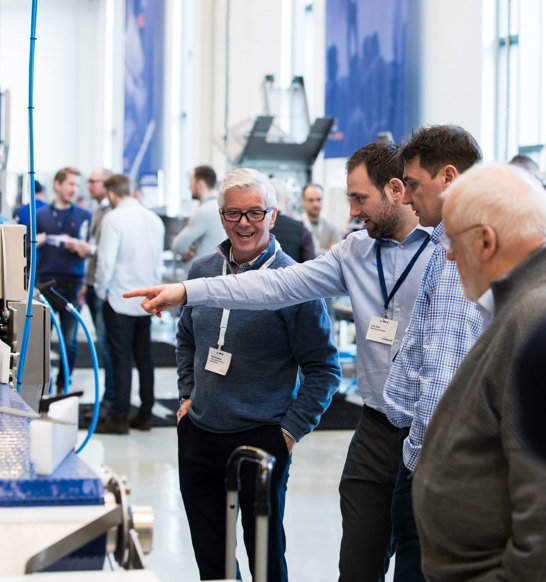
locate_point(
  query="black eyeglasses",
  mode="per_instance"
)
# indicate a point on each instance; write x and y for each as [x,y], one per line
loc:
[89,181]
[251,215]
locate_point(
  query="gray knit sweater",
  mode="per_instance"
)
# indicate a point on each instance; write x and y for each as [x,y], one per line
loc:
[479,496]
[262,384]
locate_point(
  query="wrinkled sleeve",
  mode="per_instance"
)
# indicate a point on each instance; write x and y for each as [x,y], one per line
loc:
[185,353]
[443,328]
[271,288]
[106,256]
[310,336]
[524,556]
[196,227]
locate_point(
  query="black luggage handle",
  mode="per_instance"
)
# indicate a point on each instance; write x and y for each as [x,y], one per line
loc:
[265,462]
[262,506]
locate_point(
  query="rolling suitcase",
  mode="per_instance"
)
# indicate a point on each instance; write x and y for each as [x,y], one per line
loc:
[265,463]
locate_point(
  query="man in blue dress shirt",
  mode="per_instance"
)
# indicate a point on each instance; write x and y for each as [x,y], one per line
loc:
[443,326]
[380,268]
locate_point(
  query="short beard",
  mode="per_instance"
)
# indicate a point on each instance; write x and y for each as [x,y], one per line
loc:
[386,225]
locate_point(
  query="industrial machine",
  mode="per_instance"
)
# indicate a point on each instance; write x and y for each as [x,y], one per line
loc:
[13,305]
[56,513]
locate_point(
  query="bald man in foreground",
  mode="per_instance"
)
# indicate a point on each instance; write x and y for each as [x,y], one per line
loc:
[479,495]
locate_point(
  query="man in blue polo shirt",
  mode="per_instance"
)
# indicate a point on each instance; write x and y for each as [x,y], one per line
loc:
[62,229]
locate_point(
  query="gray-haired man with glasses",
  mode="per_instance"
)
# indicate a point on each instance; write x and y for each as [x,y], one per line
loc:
[239,384]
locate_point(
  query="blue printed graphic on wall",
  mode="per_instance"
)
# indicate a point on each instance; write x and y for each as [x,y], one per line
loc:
[365,72]
[142,94]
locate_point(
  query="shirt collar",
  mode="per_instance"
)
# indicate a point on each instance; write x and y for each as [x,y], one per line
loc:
[419,232]
[127,201]
[486,306]
[437,233]
[211,197]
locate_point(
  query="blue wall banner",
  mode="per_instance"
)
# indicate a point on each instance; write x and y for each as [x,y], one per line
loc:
[365,72]
[142,93]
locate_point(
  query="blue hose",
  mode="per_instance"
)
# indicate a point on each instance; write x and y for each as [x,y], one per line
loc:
[28,315]
[93,350]
[32,275]
[62,345]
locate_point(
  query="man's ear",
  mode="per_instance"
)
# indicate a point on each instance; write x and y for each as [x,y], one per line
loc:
[449,174]
[488,242]
[396,189]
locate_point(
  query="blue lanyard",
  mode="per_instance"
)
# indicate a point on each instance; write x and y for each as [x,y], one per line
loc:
[402,277]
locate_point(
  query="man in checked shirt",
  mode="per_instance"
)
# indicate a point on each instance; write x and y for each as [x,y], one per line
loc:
[443,325]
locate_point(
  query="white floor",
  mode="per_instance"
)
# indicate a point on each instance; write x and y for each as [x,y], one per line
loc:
[149,462]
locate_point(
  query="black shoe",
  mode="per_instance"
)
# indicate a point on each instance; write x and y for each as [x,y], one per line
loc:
[104,409]
[113,425]
[140,422]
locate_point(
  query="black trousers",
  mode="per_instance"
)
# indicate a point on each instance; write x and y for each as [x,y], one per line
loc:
[408,549]
[202,460]
[68,325]
[94,303]
[130,337]
[366,490]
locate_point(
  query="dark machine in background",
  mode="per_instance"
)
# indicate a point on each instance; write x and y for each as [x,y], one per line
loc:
[282,142]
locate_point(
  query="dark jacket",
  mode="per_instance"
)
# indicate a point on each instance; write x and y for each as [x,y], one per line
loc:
[296,240]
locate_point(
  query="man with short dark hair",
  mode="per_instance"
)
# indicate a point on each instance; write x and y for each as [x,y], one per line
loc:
[325,233]
[62,230]
[129,254]
[479,493]
[380,268]
[22,214]
[528,164]
[443,326]
[203,230]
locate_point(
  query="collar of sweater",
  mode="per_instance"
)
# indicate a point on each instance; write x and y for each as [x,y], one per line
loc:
[520,279]
[224,249]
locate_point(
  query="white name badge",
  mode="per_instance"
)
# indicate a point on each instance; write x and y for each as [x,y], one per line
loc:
[382,330]
[218,361]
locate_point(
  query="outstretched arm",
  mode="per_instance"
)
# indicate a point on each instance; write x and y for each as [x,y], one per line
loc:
[266,289]
[158,298]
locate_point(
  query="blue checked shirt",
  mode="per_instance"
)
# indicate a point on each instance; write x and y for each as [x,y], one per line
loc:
[442,329]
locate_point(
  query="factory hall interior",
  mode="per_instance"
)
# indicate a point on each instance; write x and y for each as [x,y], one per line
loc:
[273,290]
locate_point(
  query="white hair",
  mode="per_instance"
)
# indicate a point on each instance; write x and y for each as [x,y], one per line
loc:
[502,196]
[246,178]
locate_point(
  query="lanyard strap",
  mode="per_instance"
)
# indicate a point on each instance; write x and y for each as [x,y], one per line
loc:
[387,298]
[225,312]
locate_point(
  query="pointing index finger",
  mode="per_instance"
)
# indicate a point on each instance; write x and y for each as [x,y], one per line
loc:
[139,293]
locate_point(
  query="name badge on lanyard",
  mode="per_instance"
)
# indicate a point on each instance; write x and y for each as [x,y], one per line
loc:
[381,329]
[219,360]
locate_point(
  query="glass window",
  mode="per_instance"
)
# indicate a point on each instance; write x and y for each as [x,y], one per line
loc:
[520,79]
